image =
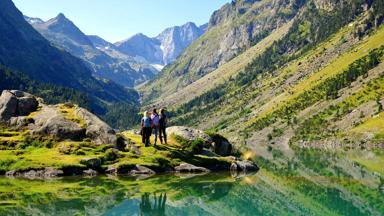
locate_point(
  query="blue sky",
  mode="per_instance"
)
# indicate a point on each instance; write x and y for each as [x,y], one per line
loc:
[116,20]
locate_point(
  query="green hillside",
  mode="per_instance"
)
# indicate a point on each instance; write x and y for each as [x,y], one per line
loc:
[233,29]
[319,84]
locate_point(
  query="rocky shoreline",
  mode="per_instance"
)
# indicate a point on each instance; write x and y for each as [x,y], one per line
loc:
[50,172]
[44,141]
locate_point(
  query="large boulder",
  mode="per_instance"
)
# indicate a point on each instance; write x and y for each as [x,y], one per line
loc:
[15,103]
[49,121]
[189,134]
[189,168]
[244,166]
[214,142]
[97,130]
[8,106]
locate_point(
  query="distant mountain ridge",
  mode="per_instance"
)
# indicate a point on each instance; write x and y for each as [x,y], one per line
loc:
[129,62]
[164,48]
[115,66]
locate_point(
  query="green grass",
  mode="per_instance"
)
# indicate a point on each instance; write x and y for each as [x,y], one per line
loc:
[331,70]
[374,125]
[69,113]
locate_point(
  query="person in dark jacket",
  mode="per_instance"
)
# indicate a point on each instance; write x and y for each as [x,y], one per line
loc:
[146,129]
[162,126]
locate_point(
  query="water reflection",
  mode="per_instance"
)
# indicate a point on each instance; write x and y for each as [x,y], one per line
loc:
[155,208]
[333,186]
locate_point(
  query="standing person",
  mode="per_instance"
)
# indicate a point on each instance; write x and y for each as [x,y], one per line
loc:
[155,123]
[162,126]
[146,124]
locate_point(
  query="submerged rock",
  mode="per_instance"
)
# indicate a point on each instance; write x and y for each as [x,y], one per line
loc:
[189,168]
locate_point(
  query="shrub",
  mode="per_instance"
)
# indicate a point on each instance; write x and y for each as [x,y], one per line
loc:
[197,146]
[110,155]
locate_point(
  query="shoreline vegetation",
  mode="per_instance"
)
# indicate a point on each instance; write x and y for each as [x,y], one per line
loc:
[39,140]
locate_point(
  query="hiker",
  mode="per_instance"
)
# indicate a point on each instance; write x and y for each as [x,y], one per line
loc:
[146,129]
[162,126]
[155,124]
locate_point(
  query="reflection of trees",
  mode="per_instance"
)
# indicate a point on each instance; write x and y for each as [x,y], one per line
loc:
[158,207]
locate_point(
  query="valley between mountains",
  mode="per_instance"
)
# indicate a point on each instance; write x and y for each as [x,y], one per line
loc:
[273,107]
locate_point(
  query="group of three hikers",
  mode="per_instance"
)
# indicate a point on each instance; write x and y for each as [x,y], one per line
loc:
[156,124]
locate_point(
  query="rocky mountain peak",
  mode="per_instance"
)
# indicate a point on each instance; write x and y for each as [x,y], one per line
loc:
[61,24]
[33,20]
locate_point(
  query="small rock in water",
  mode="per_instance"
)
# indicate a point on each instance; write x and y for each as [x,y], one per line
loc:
[90,172]
[185,167]
[245,166]
[111,170]
[142,170]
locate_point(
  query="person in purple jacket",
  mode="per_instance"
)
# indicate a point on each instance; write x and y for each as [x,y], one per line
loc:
[155,124]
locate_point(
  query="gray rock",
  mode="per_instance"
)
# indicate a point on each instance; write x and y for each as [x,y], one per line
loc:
[11,173]
[219,145]
[223,148]
[26,105]
[49,121]
[185,168]
[92,163]
[244,166]
[16,103]
[48,172]
[209,153]
[97,130]
[52,172]
[111,170]
[90,172]
[8,106]
[142,170]
[20,122]
[189,133]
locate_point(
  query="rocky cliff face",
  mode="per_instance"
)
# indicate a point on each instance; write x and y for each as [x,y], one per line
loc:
[232,29]
[142,47]
[174,40]
[164,48]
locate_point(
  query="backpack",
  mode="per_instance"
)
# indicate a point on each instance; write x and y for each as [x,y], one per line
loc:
[155,119]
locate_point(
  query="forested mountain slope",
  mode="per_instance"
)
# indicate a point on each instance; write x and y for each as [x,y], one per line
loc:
[320,84]
[24,50]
